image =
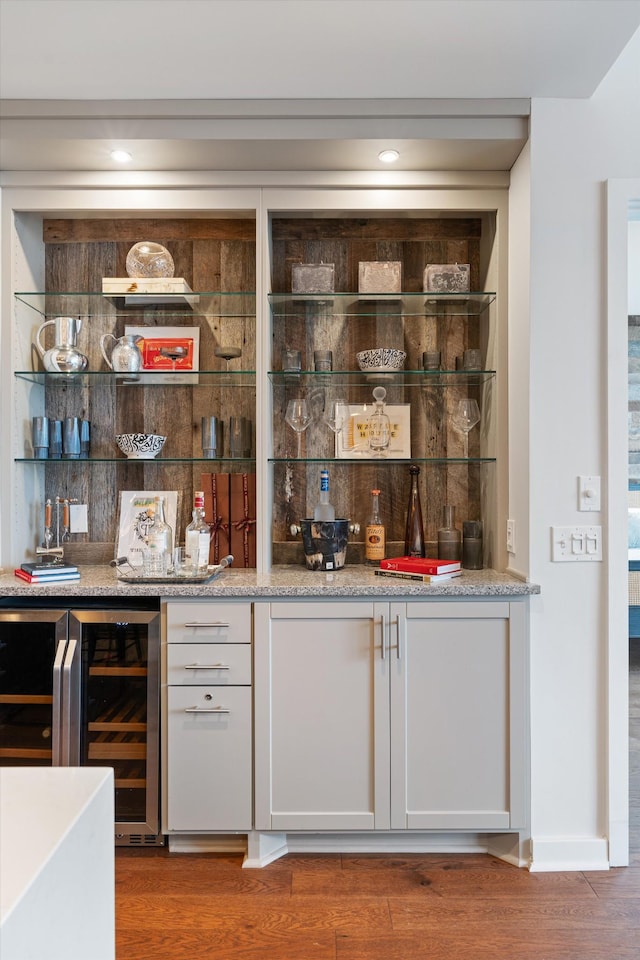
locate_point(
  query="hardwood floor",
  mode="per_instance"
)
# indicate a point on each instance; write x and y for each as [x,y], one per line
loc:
[418,907]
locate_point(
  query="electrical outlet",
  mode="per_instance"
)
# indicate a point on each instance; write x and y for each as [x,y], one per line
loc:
[511,536]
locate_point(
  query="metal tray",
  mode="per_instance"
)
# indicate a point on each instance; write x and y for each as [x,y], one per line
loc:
[170,578]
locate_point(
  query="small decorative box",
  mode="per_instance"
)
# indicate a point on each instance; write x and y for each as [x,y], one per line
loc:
[312,278]
[379,276]
[446,278]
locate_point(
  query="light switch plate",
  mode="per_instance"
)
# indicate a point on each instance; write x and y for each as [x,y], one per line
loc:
[589,497]
[576,544]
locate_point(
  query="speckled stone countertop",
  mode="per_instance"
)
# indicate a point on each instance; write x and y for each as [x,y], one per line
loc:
[351,581]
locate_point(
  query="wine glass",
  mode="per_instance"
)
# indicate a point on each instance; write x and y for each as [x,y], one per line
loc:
[174,353]
[335,413]
[464,419]
[228,353]
[298,418]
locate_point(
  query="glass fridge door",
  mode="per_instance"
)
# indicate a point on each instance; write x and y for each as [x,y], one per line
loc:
[32,652]
[120,708]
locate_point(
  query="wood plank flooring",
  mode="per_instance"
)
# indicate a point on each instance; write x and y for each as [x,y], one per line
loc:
[416,907]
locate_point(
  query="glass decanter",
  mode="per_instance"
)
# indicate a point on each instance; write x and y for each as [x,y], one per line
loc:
[379,426]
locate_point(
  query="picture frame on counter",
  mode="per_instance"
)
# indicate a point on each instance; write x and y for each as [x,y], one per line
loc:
[136,511]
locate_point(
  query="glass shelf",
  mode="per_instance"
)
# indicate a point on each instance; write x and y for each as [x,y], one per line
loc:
[377,461]
[408,378]
[85,304]
[158,461]
[376,305]
[146,378]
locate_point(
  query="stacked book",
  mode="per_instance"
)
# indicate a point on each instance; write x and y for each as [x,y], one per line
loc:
[47,572]
[420,569]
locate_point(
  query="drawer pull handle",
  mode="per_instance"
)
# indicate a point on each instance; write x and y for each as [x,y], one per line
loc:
[207,666]
[200,623]
[207,710]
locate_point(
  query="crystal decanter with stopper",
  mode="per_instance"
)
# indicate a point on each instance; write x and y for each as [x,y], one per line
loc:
[379,426]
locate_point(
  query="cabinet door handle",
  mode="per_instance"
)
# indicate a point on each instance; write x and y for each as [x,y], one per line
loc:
[207,666]
[398,636]
[207,710]
[199,623]
[383,646]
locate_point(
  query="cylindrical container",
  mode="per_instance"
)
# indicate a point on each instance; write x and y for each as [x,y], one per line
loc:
[324,543]
[55,438]
[85,438]
[472,544]
[291,361]
[471,360]
[322,360]
[40,437]
[239,437]
[431,360]
[449,537]
[212,438]
[71,438]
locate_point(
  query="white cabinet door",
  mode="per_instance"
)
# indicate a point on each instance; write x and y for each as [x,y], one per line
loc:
[322,716]
[454,678]
[209,757]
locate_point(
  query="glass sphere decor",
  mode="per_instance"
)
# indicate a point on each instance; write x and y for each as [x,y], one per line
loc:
[147,259]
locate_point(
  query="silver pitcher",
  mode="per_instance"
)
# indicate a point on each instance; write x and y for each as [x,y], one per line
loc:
[125,353]
[63,357]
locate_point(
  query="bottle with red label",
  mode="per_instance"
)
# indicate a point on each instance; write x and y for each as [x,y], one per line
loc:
[374,537]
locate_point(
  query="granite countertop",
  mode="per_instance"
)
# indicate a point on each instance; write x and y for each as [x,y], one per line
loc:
[352,581]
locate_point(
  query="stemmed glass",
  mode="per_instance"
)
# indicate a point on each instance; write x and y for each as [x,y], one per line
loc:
[335,413]
[464,419]
[298,418]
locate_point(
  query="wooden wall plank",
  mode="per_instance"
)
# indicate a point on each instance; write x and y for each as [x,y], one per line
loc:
[135,229]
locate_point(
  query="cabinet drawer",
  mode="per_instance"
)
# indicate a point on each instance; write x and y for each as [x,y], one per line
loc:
[208,621]
[209,758]
[222,664]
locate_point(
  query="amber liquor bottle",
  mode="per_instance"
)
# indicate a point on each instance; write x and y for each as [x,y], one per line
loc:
[414,532]
[374,537]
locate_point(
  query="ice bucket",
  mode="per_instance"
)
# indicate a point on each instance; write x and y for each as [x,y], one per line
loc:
[325,542]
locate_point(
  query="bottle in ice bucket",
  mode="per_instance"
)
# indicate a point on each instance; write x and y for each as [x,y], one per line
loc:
[323,510]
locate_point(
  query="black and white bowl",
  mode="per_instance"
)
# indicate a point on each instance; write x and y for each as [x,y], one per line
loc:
[140,446]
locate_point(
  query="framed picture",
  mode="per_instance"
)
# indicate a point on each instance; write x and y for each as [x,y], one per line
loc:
[136,516]
[168,350]
[446,278]
[353,440]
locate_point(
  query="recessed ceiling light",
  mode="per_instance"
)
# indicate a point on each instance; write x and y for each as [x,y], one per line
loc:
[120,156]
[388,156]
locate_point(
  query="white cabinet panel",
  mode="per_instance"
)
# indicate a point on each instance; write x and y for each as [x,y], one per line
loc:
[209,758]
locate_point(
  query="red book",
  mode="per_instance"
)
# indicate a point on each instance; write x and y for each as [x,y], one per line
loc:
[421,565]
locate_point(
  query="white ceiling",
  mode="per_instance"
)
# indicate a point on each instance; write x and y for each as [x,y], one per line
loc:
[291,84]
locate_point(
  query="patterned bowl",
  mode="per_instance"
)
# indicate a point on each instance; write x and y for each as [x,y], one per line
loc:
[140,446]
[381,359]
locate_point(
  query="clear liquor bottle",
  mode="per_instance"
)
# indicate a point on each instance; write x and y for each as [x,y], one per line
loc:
[414,531]
[374,537]
[324,510]
[159,546]
[197,536]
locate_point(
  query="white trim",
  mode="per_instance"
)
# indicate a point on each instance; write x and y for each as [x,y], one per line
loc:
[618,195]
[570,854]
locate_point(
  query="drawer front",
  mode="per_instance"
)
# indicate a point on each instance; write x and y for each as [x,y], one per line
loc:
[190,664]
[207,621]
[209,781]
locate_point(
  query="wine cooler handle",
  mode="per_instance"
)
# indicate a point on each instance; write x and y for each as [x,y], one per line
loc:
[70,747]
[213,623]
[207,710]
[56,746]
[383,645]
[207,666]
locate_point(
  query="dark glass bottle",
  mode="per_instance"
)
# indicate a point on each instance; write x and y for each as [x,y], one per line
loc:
[414,533]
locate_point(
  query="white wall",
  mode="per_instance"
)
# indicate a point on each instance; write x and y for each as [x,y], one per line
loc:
[575,147]
[634,267]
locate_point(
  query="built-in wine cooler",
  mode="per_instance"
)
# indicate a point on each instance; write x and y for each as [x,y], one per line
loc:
[79,687]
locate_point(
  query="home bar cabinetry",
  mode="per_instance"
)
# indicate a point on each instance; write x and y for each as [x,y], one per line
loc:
[236,251]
